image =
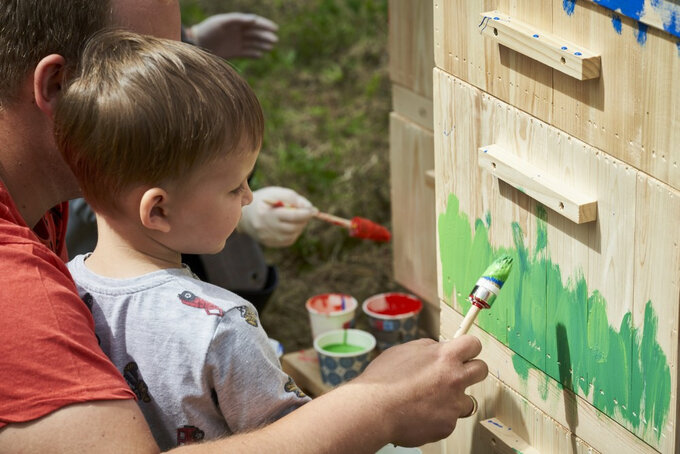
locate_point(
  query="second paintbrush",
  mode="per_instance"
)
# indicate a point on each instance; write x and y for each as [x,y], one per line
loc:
[358,227]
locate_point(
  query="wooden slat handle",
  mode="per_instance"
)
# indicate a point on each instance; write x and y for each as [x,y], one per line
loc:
[502,439]
[429,177]
[547,48]
[532,181]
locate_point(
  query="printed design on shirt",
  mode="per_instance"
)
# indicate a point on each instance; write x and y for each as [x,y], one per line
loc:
[291,387]
[188,298]
[135,382]
[249,315]
[89,302]
[187,435]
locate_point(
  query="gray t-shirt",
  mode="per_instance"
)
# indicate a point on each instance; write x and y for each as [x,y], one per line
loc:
[195,354]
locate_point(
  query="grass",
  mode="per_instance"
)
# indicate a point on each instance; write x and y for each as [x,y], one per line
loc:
[325,93]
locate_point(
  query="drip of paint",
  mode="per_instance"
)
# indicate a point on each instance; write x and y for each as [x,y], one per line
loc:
[616,23]
[487,287]
[641,33]
[342,348]
[369,230]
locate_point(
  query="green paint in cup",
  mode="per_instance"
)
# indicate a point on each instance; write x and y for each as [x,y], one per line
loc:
[342,348]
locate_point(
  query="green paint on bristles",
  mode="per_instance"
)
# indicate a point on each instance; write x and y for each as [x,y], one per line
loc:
[499,270]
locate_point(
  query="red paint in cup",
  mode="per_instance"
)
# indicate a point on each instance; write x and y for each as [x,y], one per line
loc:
[392,305]
[330,303]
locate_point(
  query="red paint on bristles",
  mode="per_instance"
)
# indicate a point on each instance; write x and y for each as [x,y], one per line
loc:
[369,230]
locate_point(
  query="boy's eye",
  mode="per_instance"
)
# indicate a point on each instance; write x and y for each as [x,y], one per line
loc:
[240,189]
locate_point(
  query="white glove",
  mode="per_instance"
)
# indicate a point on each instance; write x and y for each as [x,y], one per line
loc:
[276,226]
[233,35]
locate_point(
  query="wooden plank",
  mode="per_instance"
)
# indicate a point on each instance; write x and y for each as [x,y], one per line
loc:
[411,105]
[538,184]
[630,111]
[552,401]
[543,46]
[448,164]
[657,304]
[461,50]
[567,302]
[410,45]
[303,367]
[413,210]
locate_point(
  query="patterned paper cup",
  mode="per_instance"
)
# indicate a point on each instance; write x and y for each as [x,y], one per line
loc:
[330,311]
[393,317]
[343,354]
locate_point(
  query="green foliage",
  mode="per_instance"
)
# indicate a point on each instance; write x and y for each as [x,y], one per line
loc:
[326,96]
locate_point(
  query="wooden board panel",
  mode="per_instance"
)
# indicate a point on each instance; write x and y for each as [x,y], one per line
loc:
[567,308]
[461,50]
[410,45]
[629,112]
[555,406]
[411,105]
[413,216]
[657,301]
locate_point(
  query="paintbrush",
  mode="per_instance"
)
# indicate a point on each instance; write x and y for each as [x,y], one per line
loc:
[358,227]
[485,291]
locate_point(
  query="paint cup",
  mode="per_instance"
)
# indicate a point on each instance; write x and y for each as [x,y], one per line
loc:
[343,354]
[330,311]
[393,317]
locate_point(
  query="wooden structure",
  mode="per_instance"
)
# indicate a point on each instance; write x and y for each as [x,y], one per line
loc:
[554,130]
[412,154]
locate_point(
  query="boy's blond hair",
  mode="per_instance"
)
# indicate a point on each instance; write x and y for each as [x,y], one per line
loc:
[33,29]
[144,110]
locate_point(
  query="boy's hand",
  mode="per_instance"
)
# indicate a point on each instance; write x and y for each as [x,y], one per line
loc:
[275,227]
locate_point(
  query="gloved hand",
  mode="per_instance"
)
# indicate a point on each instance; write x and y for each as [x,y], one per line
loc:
[232,35]
[280,226]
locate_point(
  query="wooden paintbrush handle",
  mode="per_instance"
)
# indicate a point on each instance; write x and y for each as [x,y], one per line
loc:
[334,219]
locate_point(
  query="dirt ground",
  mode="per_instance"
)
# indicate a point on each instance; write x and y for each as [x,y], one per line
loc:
[363,271]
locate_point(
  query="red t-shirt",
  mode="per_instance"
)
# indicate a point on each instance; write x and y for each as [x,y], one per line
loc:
[49,355]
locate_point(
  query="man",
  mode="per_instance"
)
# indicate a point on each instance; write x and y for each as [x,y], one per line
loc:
[59,393]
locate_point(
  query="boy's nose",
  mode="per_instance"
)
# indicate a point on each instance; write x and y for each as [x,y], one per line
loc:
[247,197]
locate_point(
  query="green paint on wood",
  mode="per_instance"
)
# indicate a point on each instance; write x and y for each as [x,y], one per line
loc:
[623,369]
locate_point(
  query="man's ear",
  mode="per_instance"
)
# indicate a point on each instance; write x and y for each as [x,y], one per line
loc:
[48,79]
[153,210]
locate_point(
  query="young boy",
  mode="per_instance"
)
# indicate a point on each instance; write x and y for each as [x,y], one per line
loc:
[162,138]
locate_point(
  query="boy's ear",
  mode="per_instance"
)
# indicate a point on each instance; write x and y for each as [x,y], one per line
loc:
[153,210]
[48,79]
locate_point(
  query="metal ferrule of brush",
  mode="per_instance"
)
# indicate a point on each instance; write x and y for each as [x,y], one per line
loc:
[484,293]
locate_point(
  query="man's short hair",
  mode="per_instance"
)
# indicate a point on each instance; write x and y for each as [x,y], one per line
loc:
[33,29]
[144,110]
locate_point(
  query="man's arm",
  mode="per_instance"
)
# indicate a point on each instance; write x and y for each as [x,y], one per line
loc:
[109,426]
[411,394]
